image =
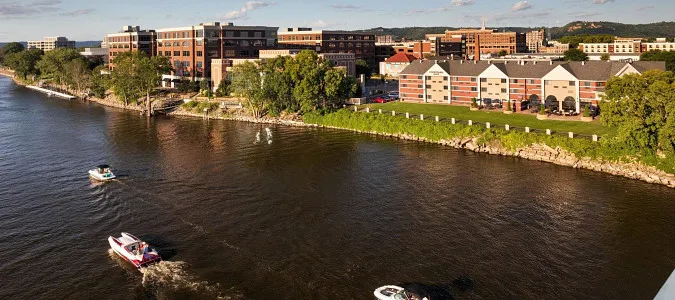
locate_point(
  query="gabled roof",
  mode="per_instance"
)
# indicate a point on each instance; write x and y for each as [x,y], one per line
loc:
[417,67]
[467,68]
[534,70]
[401,58]
[643,66]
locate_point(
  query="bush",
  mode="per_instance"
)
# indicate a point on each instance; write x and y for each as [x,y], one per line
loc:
[473,102]
[587,110]
[542,109]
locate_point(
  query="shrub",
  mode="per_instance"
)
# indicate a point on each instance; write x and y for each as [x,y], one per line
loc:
[473,102]
[587,110]
[542,109]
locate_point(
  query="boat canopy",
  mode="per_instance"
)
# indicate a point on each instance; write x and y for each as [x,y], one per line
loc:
[103,166]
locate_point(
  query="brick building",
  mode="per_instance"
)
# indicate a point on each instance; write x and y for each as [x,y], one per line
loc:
[130,38]
[554,83]
[361,44]
[490,40]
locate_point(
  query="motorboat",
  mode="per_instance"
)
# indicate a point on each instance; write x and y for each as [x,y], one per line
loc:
[102,173]
[393,292]
[133,250]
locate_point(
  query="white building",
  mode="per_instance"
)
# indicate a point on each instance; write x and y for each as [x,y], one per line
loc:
[96,52]
[51,43]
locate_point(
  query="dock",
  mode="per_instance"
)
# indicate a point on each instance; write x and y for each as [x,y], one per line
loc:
[51,93]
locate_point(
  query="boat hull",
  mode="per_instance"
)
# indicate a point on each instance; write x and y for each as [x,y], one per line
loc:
[95,175]
[138,261]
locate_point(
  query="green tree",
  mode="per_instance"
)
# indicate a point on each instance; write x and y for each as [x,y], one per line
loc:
[658,55]
[642,107]
[24,63]
[125,79]
[150,71]
[247,83]
[501,53]
[575,55]
[78,75]
[223,89]
[363,68]
[53,64]
[99,82]
[604,57]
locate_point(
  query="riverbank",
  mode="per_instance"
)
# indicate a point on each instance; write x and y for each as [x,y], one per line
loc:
[580,154]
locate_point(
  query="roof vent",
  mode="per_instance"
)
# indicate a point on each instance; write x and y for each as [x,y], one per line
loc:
[583,63]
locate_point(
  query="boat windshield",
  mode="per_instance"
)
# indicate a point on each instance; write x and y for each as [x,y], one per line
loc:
[401,296]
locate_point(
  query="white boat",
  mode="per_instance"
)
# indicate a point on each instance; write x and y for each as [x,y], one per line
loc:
[102,173]
[133,250]
[393,292]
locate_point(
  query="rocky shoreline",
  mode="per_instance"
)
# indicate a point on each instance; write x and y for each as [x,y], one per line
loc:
[534,152]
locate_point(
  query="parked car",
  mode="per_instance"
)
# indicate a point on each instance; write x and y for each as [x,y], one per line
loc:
[380,100]
[394,95]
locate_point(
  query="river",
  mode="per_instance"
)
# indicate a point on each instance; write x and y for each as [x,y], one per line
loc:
[306,213]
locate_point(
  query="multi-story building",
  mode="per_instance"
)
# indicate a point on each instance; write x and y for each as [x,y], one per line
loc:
[418,49]
[554,47]
[535,40]
[191,49]
[360,43]
[660,44]
[490,41]
[565,84]
[130,38]
[96,53]
[384,39]
[454,46]
[51,43]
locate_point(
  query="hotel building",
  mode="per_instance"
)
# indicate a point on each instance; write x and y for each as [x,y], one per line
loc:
[51,43]
[458,82]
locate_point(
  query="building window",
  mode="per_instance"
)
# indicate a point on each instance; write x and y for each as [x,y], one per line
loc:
[473,79]
[484,80]
[454,88]
[199,43]
[514,80]
[199,53]
[176,53]
[503,80]
[199,64]
[572,83]
[405,85]
[420,96]
[445,87]
[503,90]
[483,89]
[167,53]
[531,81]
[428,86]
[419,86]
[428,77]
[185,34]
[186,53]
[474,89]
[419,77]
[445,97]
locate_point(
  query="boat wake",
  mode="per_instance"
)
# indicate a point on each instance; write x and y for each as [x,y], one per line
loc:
[172,279]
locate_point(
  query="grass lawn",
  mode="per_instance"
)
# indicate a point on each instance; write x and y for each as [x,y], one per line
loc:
[496,117]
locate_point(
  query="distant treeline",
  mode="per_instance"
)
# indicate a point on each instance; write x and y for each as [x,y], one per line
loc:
[653,30]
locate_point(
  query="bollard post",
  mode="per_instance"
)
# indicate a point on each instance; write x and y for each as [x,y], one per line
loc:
[548,131]
[527,129]
[422,117]
[507,127]
[367,109]
[487,125]
[570,134]
[453,121]
[356,108]
[407,115]
[470,122]
[595,137]
[393,113]
[344,105]
[380,110]
[438,119]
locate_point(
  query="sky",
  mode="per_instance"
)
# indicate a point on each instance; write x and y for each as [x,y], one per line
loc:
[22,20]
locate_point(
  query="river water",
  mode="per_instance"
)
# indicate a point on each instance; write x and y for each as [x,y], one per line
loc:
[305,213]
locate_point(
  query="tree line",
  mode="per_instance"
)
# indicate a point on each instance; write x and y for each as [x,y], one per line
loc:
[297,84]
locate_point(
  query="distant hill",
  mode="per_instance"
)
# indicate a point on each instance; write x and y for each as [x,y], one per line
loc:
[78,44]
[653,30]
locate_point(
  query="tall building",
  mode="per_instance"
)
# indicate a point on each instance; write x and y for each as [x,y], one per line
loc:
[51,43]
[130,38]
[490,41]
[191,49]
[535,40]
[384,39]
[323,41]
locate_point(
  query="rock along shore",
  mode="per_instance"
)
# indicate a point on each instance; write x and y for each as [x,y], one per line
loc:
[536,152]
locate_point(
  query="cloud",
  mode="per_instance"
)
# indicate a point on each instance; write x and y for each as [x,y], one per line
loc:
[346,6]
[17,9]
[462,2]
[602,1]
[248,7]
[427,10]
[584,14]
[520,6]
[645,7]
[78,12]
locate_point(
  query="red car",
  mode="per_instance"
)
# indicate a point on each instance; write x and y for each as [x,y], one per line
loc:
[380,100]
